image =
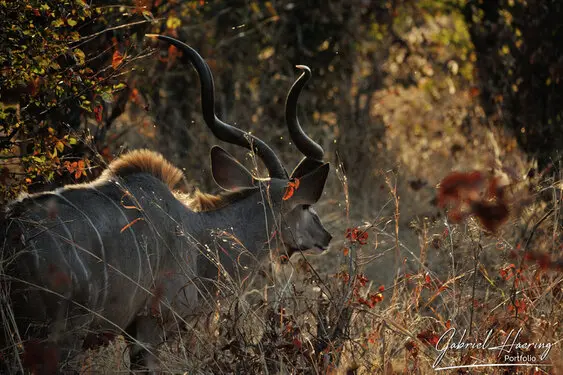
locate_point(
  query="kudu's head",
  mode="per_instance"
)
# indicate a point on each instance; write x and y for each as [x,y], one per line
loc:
[290,196]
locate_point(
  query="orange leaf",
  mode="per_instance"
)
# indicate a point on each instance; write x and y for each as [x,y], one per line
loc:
[130,224]
[291,187]
[172,53]
[288,193]
[116,59]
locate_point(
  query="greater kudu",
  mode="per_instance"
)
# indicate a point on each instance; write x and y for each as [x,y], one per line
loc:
[125,252]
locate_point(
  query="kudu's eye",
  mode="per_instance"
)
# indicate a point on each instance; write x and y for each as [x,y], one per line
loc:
[306,206]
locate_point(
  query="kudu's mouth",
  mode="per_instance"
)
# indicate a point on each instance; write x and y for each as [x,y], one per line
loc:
[315,249]
[320,248]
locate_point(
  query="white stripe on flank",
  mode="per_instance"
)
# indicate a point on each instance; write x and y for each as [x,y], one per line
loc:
[102,248]
[59,247]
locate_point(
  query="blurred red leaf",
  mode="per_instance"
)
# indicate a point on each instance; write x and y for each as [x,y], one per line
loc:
[459,186]
[473,92]
[491,215]
[473,194]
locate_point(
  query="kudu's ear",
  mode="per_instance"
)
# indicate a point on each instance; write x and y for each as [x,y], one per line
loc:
[311,186]
[305,166]
[227,172]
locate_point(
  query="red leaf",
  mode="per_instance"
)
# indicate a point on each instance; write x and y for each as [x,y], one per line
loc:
[376,298]
[428,337]
[362,279]
[354,234]
[412,348]
[98,113]
[362,239]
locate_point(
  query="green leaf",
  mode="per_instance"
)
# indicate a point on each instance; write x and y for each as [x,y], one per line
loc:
[148,15]
[106,96]
[60,146]
[173,22]
[79,56]
[119,86]
[58,22]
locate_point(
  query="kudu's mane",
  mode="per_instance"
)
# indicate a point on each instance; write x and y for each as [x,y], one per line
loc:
[144,161]
[199,201]
[153,163]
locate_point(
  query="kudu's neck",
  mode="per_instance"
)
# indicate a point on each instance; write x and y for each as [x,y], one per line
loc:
[238,233]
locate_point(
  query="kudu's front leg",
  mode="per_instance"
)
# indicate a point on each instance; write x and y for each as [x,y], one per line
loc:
[146,332]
